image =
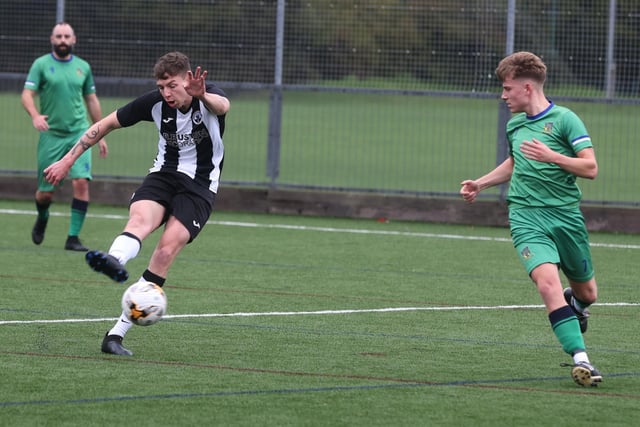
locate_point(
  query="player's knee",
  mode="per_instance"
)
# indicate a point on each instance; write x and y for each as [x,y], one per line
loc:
[585,292]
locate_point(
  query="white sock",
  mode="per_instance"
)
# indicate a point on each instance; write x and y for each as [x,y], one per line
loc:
[121,327]
[123,324]
[578,305]
[581,357]
[124,248]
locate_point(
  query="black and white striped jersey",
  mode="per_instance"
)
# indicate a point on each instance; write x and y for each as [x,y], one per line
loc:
[189,143]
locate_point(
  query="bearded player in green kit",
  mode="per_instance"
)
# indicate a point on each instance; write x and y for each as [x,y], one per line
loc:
[549,147]
[65,86]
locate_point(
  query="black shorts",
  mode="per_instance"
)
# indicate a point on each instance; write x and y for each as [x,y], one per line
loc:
[189,202]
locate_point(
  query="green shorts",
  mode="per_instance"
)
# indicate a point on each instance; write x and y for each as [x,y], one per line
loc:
[552,235]
[52,148]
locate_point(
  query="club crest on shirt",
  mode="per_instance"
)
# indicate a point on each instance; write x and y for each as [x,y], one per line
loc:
[196,117]
[548,127]
[526,253]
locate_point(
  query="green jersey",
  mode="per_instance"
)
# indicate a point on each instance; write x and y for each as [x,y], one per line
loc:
[62,86]
[540,184]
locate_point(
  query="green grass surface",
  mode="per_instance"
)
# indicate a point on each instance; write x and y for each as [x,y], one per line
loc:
[294,321]
[357,141]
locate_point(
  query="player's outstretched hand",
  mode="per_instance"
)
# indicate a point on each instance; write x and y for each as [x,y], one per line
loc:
[56,172]
[194,84]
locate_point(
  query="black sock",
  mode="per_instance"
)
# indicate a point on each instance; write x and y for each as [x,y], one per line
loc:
[43,210]
[153,278]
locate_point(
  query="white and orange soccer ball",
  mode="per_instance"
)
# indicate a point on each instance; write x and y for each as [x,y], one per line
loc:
[144,303]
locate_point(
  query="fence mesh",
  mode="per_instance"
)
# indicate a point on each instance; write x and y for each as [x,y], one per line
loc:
[378,95]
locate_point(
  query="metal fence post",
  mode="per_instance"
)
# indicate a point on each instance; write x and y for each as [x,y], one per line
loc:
[275,102]
[503,112]
[610,72]
[60,11]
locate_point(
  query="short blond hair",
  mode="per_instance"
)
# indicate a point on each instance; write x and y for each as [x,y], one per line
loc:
[522,65]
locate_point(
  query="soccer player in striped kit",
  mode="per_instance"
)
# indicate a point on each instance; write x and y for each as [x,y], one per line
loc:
[181,186]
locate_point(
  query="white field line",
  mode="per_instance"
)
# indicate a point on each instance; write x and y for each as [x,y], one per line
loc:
[310,313]
[322,312]
[330,229]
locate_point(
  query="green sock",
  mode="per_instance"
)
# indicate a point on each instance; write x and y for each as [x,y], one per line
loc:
[567,329]
[78,214]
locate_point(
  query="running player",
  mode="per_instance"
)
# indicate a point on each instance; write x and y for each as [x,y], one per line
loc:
[549,148]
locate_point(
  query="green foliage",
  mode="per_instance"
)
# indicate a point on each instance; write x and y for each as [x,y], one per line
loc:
[441,43]
[231,355]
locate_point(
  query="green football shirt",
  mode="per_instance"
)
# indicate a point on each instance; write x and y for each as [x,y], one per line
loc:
[61,86]
[540,184]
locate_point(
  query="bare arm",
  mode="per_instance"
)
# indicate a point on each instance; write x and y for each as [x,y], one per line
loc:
[217,104]
[96,132]
[93,105]
[501,174]
[584,166]
[28,99]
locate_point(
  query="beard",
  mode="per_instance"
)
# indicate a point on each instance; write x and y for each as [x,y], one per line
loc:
[63,50]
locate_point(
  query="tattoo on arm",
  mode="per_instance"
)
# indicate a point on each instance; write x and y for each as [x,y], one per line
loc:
[81,145]
[84,144]
[87,140]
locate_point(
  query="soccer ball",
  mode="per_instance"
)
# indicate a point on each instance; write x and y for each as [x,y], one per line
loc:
[144,303]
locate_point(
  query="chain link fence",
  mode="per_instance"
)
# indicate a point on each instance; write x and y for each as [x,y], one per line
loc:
[381,96]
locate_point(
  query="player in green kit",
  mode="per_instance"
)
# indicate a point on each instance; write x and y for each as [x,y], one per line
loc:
[549,148]
[65,86]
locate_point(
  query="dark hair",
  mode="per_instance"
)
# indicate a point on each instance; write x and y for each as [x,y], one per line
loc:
[522,65]
[171,64]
